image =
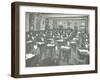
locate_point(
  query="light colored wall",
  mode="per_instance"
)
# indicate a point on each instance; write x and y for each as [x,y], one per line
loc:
[37,21]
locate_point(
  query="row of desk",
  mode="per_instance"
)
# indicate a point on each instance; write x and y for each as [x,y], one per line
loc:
[57,49]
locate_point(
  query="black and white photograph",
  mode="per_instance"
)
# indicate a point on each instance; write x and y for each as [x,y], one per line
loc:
[56,39]
[52,39]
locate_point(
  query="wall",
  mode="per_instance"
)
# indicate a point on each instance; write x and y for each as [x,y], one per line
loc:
[5,41]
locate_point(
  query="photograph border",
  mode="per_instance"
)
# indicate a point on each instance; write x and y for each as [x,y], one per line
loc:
[15,32]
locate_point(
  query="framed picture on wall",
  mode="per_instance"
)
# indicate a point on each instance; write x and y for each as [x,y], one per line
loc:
[53,39]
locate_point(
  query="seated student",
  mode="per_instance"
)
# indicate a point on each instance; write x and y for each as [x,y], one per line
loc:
[37,38]
[36,50]
[69,30]
[28,37]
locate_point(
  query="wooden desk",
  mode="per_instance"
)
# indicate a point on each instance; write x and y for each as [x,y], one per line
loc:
[29,56]
[50,49]
[30,41]
[29,46]
[41,46]
[65,53]
[84,55]
[60,42]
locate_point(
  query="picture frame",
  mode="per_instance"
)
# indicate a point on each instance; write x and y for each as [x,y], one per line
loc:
[83,17]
